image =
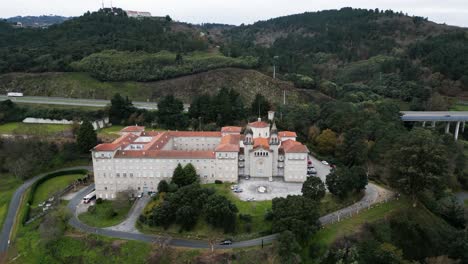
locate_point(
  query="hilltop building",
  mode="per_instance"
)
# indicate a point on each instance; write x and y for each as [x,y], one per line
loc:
[138,160]
[137,14]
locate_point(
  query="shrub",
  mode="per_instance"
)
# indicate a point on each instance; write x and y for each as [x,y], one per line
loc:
[92,209]
[172,187]
[99,201]
[218,182]
[245,217]
[109,213]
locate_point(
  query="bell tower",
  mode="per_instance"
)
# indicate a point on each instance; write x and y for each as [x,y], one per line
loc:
[248,146]
[274,147]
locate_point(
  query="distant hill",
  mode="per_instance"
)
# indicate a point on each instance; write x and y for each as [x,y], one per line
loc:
[37,21]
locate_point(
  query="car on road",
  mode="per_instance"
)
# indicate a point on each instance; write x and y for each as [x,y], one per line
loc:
[311,171]
[238,190]
[140,195]
[226,242]
[324,162]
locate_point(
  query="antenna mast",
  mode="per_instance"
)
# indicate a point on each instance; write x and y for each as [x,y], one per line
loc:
[102,4]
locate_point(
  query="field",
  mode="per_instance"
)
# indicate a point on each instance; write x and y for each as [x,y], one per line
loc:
[8,185]
[102,218]
[49,187]
[459,107]
[18,128]
[108,134]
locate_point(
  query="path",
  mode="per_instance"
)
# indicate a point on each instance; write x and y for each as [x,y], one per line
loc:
[15,206]
[129,225]
[373,194]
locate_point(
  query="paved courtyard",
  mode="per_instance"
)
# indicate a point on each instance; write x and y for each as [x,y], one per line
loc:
[276,188]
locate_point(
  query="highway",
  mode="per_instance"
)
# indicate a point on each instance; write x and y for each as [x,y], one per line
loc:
[77,102]
[373,194]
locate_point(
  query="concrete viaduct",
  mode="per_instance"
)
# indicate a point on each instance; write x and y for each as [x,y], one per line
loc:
[457,117]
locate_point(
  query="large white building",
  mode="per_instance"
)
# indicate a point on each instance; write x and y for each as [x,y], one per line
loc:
[139,159]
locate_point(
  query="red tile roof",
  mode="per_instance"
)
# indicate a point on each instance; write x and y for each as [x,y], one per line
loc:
[130,129]
[287,134]
[195,133]
[261,142]
[165,154]
[231,129]
[259,124]
[106,147]
[229,143]
[291,146]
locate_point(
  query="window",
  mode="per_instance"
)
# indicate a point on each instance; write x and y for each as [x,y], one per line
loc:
[131,175]
[117,175]
[105,188]
[125,175]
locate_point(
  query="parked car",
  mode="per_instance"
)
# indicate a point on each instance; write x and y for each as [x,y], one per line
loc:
[250,199]
[140,195]
[238,190]
[311,171]
[226,242]
[41,204]
[247,177]
[233,187]
[324,162]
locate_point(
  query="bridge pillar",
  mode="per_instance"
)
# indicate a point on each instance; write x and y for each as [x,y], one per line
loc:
[433,124]
[424,124]
[463,127]
[457,128]
[447,128]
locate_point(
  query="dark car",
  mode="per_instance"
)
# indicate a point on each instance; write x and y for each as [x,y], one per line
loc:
[226,242]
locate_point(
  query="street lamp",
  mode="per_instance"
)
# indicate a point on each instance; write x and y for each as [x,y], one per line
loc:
[274,66]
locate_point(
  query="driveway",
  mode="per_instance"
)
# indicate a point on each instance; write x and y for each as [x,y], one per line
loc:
[129,225]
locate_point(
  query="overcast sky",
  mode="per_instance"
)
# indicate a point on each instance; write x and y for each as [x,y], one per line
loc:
[453,12]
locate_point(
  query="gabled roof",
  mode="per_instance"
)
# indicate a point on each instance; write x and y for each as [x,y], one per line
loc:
[231,129]
[287,134]
[259,124]
[130,129]
[291,146]
[106,147]
[229,143]
[165,154]
[261,142]
[195,133]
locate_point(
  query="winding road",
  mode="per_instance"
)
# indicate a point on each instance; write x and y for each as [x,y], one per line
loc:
[373,194]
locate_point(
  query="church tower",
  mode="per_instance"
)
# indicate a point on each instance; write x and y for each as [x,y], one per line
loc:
[274,147]
[248,146]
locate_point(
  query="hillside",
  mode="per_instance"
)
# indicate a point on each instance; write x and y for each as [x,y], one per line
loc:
[81,85]
[420,55]
[37,21]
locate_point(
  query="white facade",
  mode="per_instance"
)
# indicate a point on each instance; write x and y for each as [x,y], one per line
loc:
[139,160]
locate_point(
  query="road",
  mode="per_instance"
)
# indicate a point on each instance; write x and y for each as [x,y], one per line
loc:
[15,206]
[373,194]
[77,102]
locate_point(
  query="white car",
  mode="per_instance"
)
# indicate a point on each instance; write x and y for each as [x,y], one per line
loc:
[324,162]
[233,187]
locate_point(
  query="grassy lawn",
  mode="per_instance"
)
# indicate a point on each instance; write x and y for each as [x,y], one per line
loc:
[32,129]
[108,134]
[331,232]
[49,187]
[256,210]
[459,107]
[8,185]
[101,217]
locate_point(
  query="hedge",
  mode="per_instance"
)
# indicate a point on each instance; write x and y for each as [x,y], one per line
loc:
[33,188]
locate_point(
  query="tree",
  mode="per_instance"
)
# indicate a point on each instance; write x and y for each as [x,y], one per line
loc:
[353,150]
[178,175]
[452,211]
[120,109]
[190,174]
[186,217]
[260,105]
[326,142]
[86,138]
[343,181]
[221,213]
[171,113]
[313,188]
[288,248]
[417,162]
[163,186]
[296,214]
[162,215]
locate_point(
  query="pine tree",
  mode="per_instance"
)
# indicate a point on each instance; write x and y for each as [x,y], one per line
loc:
[87,137]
